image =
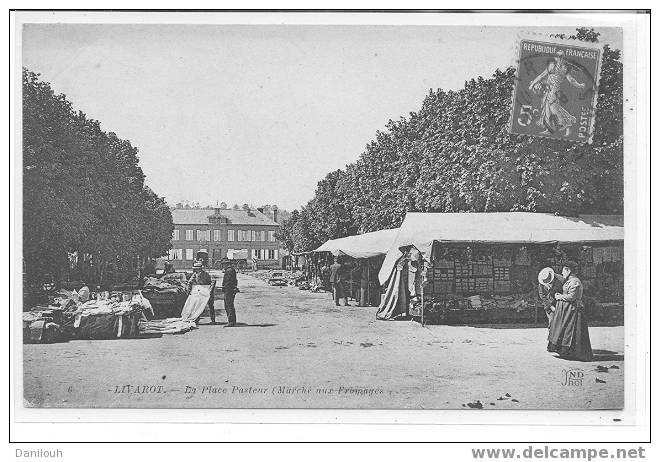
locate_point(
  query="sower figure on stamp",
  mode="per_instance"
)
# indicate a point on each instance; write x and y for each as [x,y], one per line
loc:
[230,287]
[554,117]
[202,278]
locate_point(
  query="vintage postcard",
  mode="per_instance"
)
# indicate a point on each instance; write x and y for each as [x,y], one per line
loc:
[326,215]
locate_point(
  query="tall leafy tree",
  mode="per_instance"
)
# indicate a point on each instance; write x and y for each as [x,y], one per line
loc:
[455,154]
[85,204]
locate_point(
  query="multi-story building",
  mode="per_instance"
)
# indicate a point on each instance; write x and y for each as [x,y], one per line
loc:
[224,233]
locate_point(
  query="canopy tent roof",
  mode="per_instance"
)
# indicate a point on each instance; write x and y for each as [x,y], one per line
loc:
[422,229]
[361,246]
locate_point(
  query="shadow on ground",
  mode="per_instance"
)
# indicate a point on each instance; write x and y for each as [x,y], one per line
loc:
[238,324]
[599,355]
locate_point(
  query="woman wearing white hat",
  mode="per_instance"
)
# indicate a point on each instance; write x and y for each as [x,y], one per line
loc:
[549,285]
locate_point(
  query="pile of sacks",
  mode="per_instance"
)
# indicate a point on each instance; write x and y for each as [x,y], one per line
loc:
[166,326]
[167,295]
[75,316]
[164,285]
[190,314]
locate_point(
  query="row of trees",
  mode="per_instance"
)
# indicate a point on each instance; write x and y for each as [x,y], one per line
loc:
[86,209]
[455,154]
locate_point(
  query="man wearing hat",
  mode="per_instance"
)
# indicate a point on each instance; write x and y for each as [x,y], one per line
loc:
[549,285]
[202,278]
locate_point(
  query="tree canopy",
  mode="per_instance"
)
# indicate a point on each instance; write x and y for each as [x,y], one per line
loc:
[85,203]
[455,153]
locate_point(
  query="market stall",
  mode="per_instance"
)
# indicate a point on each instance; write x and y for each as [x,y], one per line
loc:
[361,257]
[103,315]
[89,317]
[482,267]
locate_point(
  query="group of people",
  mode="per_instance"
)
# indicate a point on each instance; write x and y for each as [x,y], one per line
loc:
[561,295]
[229,287]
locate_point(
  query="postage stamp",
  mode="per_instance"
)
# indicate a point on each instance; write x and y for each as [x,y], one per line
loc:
[556,90]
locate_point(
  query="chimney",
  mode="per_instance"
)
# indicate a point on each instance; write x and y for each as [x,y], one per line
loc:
[275,214]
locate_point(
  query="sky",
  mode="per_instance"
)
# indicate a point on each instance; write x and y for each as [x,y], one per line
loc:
[258,114]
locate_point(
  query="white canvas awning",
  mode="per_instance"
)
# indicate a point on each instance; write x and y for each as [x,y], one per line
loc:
[366,245]
[422,229]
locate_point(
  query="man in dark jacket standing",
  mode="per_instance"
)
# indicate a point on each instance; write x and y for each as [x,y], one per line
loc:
[230,287]
[336,279]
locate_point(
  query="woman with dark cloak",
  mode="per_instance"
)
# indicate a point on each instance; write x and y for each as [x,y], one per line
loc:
[569,333]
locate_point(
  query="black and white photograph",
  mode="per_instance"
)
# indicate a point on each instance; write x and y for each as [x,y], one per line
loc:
[226,214]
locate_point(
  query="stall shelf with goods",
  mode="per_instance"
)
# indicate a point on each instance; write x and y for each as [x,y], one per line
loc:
[482,267]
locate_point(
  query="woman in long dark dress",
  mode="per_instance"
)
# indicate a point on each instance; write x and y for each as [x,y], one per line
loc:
[569,333]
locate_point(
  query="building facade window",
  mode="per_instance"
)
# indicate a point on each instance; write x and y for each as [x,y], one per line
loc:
[175,254]
[216,235]
[189,235]
[208,235]
[255,253]
[230,235]
[271,236]
[254,235]
[245,235]
[175,235]
[262,236]
[189,254]
[272,254]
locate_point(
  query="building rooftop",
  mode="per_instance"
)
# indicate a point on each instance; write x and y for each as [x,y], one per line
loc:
[235,217]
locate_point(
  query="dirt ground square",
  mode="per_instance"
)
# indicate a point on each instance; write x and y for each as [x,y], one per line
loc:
[296,349]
